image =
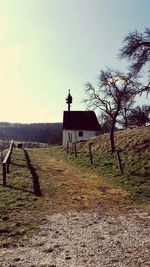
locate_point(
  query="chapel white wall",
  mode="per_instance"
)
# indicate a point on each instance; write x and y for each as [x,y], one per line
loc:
[76,137]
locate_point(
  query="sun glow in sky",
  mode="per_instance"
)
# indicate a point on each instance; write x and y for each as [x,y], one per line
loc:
[50,46]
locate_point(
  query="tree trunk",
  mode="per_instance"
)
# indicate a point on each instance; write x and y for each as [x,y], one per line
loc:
[125,122]
[125,118]
[112,139]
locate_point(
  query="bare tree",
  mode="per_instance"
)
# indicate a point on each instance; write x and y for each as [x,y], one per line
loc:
[136,48]
[127,106]
[105,122]
[139,116]
[113,91]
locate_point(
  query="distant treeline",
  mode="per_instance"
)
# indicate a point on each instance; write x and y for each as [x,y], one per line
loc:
[35,132]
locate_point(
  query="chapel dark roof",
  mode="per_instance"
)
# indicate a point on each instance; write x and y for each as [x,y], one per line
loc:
[80,120]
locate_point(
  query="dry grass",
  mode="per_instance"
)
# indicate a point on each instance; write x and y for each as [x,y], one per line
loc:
[63,187]
[128,140]
[46,180]
[134,146]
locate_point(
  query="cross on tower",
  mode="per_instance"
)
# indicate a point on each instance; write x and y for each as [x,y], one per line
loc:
[69,100]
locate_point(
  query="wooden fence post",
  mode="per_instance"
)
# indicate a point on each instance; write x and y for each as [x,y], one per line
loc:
[67,147]
[119,161]
[6,163]
[4,174]
[75,150]
[90,153]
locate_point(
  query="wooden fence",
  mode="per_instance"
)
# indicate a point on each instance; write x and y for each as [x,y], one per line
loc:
[73,147]
[6,162]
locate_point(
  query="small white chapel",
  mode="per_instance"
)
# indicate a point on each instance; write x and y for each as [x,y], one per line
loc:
[78,125]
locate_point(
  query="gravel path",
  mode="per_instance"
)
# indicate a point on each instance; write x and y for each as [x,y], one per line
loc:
[85,239]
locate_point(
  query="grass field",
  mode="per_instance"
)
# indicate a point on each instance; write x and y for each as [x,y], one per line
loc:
[40,183]
[134,147]
[47,180]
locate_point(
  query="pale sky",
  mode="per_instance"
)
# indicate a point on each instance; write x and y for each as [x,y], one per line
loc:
[50,46]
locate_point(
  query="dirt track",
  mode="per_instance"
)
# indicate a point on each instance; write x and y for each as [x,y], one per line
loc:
[99,229]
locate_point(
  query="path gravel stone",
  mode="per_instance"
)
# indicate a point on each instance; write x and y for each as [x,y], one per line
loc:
[85,239]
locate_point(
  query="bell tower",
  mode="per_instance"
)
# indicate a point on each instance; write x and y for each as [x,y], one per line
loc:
[69,100]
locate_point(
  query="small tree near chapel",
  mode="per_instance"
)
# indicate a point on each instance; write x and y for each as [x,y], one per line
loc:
[114,89]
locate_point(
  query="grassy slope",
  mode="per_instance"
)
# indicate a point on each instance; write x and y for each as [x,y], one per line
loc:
[134,145]
[65,186]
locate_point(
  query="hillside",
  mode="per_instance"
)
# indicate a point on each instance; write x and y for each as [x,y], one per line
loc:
[46,181]
[133,146]
[60,209]
[135,140]
[34,132]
